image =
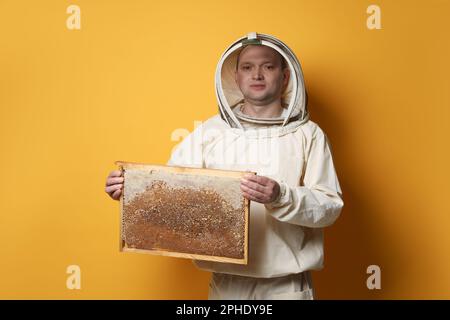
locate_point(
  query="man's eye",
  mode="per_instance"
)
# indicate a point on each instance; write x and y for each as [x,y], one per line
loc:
[269,67]
[246,67]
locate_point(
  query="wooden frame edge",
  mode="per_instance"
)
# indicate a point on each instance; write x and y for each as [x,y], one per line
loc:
[187,170]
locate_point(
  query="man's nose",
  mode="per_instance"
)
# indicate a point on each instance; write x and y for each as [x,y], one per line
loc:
[257,73]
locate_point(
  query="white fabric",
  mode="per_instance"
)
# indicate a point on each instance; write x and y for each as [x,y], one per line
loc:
[232,287]
[285,237]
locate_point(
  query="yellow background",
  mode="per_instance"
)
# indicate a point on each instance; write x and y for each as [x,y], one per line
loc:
[74,101]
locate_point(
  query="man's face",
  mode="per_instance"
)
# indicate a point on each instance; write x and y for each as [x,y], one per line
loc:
[260,76]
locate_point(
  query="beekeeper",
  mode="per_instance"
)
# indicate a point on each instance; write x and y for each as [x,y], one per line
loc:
[263,126]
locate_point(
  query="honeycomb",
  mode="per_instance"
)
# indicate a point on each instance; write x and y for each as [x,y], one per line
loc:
[192,214]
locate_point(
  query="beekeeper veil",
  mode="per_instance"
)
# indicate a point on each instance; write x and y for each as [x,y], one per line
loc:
[229,95]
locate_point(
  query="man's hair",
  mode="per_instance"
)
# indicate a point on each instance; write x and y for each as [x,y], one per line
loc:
[283,61]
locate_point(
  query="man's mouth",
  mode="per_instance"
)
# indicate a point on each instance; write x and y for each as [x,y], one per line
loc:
[258,86]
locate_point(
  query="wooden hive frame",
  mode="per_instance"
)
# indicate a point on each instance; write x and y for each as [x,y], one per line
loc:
[173,171]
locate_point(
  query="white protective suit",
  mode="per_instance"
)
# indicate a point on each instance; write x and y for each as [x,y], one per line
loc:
[285,237]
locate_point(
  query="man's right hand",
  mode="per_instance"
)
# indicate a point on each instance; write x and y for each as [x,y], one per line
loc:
[114,184]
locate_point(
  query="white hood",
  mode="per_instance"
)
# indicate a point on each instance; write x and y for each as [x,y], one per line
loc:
[229,95]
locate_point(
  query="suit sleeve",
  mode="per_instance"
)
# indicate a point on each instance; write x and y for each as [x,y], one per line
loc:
[318,202]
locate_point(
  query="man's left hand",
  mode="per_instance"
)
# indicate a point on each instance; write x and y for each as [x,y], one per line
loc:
[260,189]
